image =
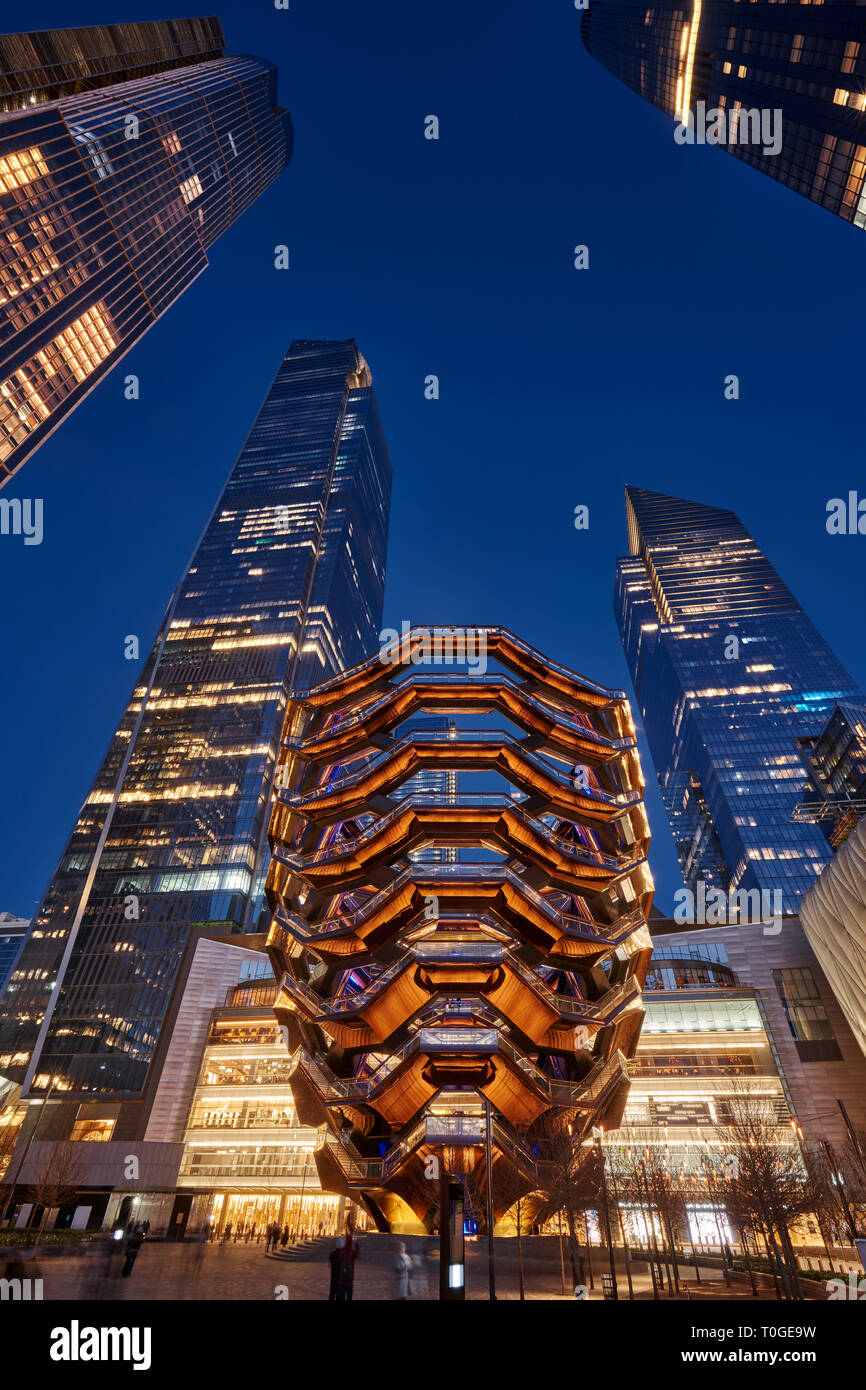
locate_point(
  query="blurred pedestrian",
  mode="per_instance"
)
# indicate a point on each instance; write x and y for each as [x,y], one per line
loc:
[346,1271]
[402,1272]
[134,1242]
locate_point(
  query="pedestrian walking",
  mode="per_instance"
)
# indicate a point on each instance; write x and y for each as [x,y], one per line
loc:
[227,1233]
[134,1242]
[402,1273]
[284,1238]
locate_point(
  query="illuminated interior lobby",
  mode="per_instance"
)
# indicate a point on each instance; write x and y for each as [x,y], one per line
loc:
[449,960]
[247,1159]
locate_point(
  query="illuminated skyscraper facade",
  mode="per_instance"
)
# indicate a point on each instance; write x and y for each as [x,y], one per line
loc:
[806,61]
[125,150]
[730,676]
[285,586]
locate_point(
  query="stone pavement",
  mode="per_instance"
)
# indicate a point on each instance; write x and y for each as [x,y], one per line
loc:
[178,1272]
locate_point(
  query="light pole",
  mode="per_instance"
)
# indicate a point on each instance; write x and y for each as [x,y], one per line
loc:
[488,1139]
[597,1133]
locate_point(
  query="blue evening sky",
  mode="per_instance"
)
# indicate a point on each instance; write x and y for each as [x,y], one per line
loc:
[558,386]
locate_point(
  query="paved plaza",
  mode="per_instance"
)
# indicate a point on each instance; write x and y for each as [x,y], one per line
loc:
[177,1272]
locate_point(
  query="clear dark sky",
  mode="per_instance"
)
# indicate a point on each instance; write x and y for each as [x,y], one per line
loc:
[558,386]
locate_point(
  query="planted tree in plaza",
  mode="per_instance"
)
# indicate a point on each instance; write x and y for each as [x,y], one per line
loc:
[570,1180]
[839,1184]
[646,1183]
[58,1176]
[766,1179]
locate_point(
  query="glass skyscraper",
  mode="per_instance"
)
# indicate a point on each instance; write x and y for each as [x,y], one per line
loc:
[731,677]
[125,150]
[13,933]
[806,61]
[285,588]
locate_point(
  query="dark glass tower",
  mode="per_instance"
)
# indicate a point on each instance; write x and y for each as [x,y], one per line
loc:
[125,151]
[285,587]
[731,676]
[806,61]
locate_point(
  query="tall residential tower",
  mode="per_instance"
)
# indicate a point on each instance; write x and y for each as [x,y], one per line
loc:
[285,587]
[796,70]
[125,150]
[731,676]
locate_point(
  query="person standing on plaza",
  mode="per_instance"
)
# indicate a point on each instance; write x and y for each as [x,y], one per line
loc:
[346,1271]
[334,1259]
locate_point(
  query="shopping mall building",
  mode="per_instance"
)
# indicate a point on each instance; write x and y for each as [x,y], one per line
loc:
[221,1143]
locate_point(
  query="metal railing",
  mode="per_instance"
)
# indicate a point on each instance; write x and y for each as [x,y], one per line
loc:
[334,1089]
[570,925]
[556,716]
[425,801]
[498,737]
[466,1128]
[420,631]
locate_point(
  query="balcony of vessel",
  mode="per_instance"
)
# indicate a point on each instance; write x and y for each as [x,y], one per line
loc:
[371,1017]
[427,1134]
[498,642]
[480,1058]
[474,820]
[368,787]
[490,888]
[550,726]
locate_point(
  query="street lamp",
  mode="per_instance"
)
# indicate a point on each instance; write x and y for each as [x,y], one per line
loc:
[597,1133]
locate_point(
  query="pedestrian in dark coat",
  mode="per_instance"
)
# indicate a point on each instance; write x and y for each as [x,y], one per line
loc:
[134,1242]
[346,1273]
[334,1260]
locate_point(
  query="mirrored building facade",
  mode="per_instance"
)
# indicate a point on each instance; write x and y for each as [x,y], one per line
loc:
[285,587]
[731,676]
[805,62]
[125,151]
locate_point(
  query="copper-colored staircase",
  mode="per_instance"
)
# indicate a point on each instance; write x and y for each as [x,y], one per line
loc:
[509,973]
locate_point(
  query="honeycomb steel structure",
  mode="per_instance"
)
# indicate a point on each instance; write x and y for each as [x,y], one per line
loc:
[415,991]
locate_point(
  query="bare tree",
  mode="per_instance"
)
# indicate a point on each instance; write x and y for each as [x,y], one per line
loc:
[514,1196]
[569,1179]
[642,1177]
[766,1178]
[58,1176]
[840,1187]
[10,1128]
